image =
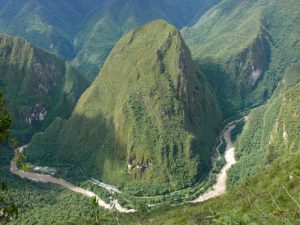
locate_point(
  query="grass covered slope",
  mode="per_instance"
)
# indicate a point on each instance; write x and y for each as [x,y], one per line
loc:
[244,47]
[38,85]
[149,118]
[272,130]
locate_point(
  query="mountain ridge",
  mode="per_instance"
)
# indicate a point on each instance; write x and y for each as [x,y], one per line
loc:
[85,33]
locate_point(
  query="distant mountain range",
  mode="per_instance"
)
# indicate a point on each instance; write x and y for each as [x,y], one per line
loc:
[85,32]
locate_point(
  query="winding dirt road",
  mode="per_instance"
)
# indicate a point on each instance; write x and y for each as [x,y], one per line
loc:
[219,187]
[49,179]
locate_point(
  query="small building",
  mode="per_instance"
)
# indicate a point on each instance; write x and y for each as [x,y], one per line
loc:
[45,170]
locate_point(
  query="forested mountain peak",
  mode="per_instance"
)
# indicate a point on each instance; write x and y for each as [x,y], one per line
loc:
[147,88]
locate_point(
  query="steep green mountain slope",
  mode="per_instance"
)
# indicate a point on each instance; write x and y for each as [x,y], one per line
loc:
[85,31]
[38,85]
[149,117]
[271,130]
[244,47]
[268,169]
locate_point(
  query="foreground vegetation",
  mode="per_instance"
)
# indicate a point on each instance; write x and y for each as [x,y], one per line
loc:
[45,204]
[269,197]
[8,210]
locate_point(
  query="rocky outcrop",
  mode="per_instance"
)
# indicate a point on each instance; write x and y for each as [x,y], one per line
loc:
[249,66]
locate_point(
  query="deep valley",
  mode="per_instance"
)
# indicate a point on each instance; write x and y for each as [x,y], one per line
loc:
[149,112]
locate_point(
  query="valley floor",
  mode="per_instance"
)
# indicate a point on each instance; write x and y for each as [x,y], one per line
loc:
[50,179]
[218,189]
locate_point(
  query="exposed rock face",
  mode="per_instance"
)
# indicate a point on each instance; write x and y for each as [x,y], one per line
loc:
[36,113]
[248,67]
[256,59]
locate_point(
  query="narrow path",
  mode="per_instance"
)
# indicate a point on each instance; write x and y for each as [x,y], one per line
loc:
[219,187]
[49,179]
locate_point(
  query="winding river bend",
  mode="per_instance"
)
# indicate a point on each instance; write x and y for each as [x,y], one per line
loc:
[218,189]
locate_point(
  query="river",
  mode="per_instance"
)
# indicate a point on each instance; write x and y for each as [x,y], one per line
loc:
[219,187]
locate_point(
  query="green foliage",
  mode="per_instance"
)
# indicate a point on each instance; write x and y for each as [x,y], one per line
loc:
[266,175]
[20,158]
[125,121]
[46,204]
[8,209]
[95,209]
[14,143]
[230,218]
[269,197]
[5,120]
